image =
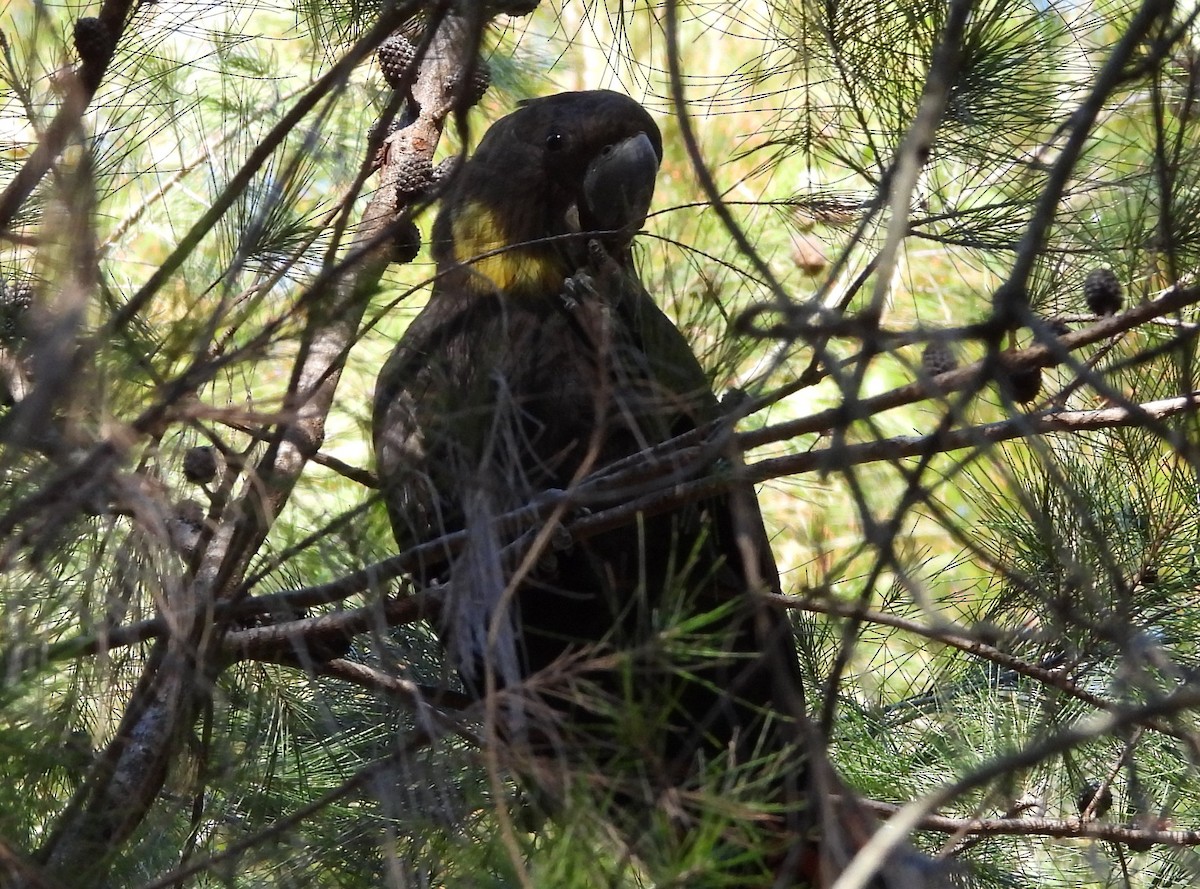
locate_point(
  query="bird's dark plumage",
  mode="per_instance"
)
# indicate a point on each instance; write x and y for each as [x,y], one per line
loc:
[539,360]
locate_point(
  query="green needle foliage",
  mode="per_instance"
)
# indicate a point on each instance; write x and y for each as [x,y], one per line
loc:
[991,573]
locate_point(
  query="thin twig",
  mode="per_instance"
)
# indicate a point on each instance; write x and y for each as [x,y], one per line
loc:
[1069,828]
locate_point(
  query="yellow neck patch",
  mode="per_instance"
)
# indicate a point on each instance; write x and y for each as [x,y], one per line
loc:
[482,244]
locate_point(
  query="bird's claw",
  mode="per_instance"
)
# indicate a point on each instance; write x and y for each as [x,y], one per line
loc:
[585,283]
[600,259]
[578,288]
[561,539]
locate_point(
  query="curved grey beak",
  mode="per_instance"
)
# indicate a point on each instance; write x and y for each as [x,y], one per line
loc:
[619,185]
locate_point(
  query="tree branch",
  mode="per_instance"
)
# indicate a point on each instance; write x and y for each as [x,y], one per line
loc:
[84,81]
[946,635]
[1070,828]
[129,775]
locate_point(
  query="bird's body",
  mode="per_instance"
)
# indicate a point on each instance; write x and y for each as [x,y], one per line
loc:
[539,360]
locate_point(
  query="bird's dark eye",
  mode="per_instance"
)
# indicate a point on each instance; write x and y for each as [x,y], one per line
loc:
[555,141]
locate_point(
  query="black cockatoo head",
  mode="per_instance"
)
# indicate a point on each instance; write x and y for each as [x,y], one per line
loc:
[544,179]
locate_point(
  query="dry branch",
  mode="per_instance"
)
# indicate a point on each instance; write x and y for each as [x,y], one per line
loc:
[657,486]
[128,776]
[1069,828]
[107,30]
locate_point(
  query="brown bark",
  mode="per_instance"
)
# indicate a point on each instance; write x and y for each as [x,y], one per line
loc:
[178,677]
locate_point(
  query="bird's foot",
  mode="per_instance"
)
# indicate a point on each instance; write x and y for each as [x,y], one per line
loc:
[590,281]
[561,539]
[547,563]
[600,259]
[578,288]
